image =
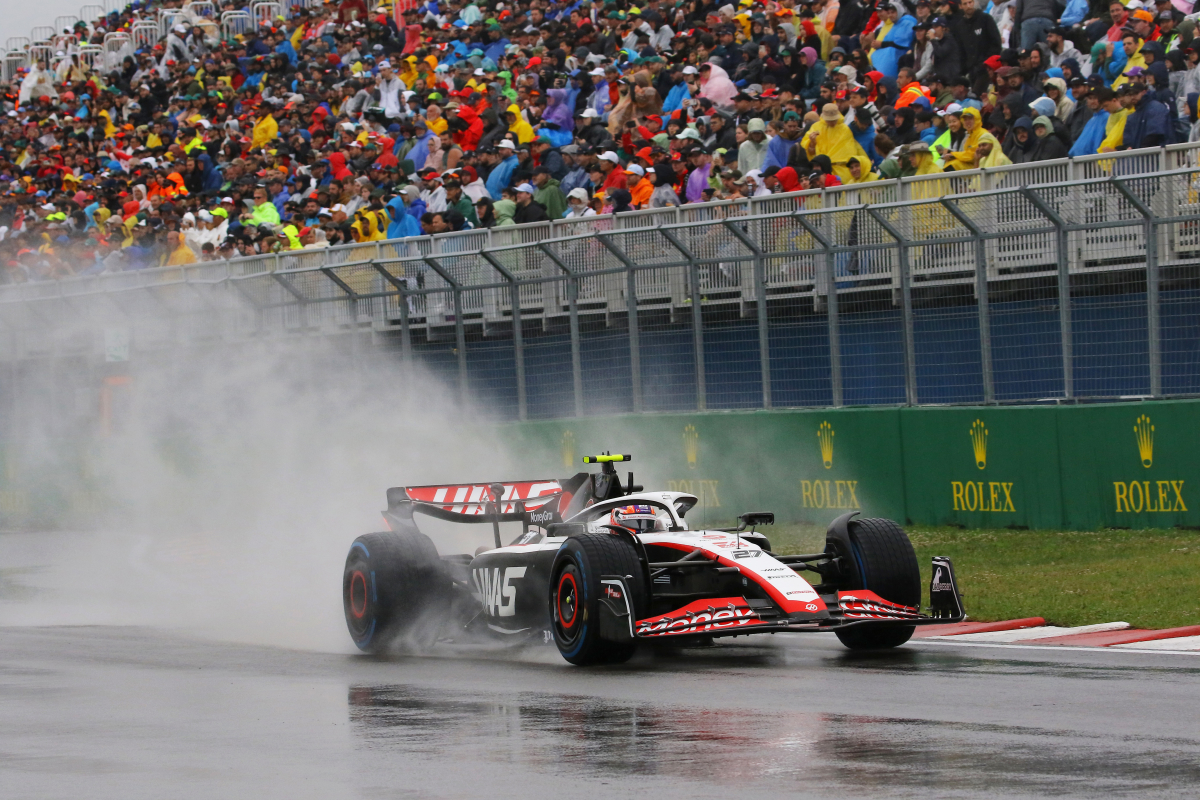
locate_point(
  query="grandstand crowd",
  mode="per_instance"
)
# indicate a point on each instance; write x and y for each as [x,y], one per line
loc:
[342,123]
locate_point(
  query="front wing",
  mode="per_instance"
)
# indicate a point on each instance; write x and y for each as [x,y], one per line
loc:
[736,616]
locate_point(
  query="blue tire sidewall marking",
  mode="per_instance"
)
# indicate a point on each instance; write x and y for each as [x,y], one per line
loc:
[362,547]
[579,558]
[365,642]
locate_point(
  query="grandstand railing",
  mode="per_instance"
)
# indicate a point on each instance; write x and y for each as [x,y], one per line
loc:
[1057,292]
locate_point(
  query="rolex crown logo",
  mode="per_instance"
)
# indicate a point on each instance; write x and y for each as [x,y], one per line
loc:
[691,445]
[1144,432]
[825,437]
[568,449]
[979,437]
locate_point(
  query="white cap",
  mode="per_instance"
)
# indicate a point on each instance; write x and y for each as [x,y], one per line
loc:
[689,70]
[385,64]
[324,212]
[599,73]
[347,126]
[609,155]
[950,109]
[180,29]
[689,133]
[205,215]
[589,113]
[226,199]
[634,169]
[338,207]
[525,187]
[505,144]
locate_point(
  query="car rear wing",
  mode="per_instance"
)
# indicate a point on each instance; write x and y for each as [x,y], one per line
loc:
[476,502]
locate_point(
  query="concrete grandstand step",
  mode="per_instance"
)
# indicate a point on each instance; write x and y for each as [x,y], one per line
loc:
[1119,637]
[959,628]
[1177,644]
[1033,634]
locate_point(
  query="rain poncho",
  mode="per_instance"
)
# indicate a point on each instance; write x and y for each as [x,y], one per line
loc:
[719,88]
[265,130]
[519,128]
[836,141]
[965,158]
[895,41]
[1092,136]
[996,158]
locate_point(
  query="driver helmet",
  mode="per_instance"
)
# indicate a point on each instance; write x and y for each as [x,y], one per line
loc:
[640,518]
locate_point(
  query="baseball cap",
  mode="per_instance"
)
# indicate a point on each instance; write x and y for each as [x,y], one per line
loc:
[525,187]
[505,144]
[634,169]
[609,155]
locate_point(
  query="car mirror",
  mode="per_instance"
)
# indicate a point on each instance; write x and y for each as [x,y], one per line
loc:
[753,518]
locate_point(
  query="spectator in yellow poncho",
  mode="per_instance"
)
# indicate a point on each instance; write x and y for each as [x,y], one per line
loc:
[860,171]
[830,136]
[521,129]
[921,158]
[989,153]
[180,253]
[1114,129]
[965,158]
[265,130]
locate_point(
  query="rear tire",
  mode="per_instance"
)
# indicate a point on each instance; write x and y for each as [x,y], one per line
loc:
[883,562]
[392,587]
[575,591]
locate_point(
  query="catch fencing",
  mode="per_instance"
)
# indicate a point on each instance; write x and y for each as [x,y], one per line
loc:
[954,294]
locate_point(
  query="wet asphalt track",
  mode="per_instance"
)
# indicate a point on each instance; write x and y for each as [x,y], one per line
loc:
[135,713]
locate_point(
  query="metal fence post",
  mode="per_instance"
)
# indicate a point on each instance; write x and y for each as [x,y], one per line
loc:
[831,311]
[1153,331]
[981,299]
[401,286]
[573,311]
[631,313]
[1062,236]
[906,311]
[460,334]
[760,308]
[514,289]
[697,319]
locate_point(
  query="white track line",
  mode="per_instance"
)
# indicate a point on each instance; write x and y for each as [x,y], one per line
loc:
[1180,643]
[1026,634]
[1139,647]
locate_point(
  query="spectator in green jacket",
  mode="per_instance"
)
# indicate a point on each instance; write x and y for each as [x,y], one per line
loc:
[548,193]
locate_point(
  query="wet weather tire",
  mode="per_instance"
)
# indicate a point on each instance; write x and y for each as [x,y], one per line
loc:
[392,586]
[575,591]
[883,562]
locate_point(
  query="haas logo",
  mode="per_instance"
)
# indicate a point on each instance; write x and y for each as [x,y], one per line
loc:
[494,585]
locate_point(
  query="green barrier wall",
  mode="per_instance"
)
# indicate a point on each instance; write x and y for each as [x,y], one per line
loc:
[1075,467]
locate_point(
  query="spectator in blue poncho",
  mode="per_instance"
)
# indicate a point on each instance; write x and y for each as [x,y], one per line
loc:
[892,38]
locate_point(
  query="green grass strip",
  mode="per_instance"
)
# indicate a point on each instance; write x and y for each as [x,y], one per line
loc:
[1148,578]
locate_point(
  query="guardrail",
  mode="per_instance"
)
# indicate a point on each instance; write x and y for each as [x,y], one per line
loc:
[1060,291]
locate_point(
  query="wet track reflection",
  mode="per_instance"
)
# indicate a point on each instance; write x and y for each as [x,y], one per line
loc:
[129,713]
[598,739]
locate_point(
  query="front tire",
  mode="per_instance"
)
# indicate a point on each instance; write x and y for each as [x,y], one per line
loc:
[575,591]
[392,585]
[882,561]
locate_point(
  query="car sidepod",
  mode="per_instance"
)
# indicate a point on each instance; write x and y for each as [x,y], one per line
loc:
[511,585]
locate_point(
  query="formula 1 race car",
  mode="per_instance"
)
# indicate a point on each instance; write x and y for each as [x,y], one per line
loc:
[600,567]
